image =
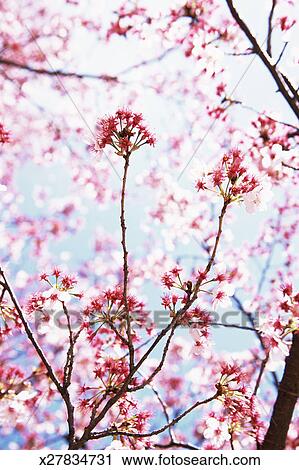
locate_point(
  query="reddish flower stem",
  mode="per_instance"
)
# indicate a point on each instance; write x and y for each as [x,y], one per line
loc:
[125,260]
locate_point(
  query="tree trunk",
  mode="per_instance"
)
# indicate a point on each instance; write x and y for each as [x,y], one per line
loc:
[286,401]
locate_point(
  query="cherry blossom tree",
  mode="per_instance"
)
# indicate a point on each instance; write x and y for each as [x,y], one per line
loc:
[148,212]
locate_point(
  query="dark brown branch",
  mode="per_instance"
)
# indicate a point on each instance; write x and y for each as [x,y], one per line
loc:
[290,166]
[291,87]
[117,333]
[284,406]
[270,28]
[147,61]
[281,54]
[70,353]
[277,76]
[69,364]
[219,232]
[259,378]
[172,442]
[179,445]
[164,408]
[238,327]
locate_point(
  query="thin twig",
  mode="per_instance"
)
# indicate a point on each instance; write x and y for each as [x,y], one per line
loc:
[287,165]
[180,445]
[112,432]
[281,54]
[261,371]
[57,72]
[270,28]
[160,365]
[257,333]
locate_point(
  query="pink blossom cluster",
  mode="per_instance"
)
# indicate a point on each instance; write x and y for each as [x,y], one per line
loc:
[240,408]
[271,148]
[220,294]
[109,374]
[291,303]
[276,330]
[60,292]
[231,177]
[4,135]
[108,309]
[124,131]
[125,20]
[200,321]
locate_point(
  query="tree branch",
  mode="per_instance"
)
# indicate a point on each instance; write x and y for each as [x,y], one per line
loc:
[160,365]
[103,77]
[180,445]
[290,166]
[277,76]
[284,406]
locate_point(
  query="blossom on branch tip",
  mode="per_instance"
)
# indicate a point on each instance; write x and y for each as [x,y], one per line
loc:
[231,180]
[61,291]
[124,131]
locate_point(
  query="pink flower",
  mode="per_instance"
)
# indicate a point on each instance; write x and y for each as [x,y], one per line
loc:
[216,431]
[257,199]
[272,333]
[277,356]
[200,185]
[167,280]
[35,303]
[199,338]
[222,294]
